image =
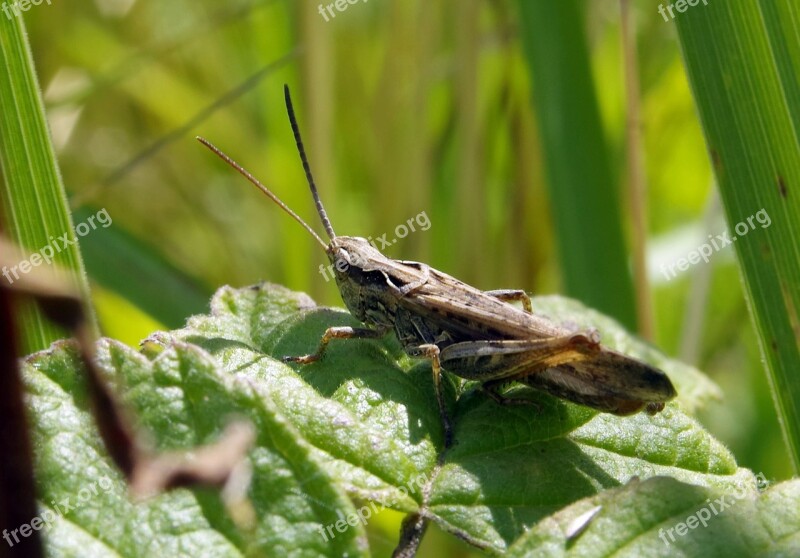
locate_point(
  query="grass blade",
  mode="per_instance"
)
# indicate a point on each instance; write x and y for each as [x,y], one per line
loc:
[583,194]
[33,206]
[743,61]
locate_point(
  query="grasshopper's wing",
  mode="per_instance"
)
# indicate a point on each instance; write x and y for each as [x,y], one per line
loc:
[513,359]
[466,313]
[609,382]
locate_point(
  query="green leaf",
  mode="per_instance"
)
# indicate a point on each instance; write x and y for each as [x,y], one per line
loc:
[183,399]
[644,518]
[362,423]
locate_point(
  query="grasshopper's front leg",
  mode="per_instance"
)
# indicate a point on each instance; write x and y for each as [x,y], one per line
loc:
[513,295]
[336,333]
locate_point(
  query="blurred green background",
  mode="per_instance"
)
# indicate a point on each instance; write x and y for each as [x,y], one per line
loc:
[405,106]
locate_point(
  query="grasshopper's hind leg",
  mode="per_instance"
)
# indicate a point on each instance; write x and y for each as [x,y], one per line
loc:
[431,351]
[336,333]
[513,295]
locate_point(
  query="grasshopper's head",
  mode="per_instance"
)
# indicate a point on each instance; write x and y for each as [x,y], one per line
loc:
[356,266]
[351,256]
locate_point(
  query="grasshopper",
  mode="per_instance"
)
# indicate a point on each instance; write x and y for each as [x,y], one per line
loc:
[477,335]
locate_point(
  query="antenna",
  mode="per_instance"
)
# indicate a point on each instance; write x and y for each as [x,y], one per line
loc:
[263,188]
[306,167]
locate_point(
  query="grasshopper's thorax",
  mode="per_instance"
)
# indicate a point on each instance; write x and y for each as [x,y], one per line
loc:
[361,276]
